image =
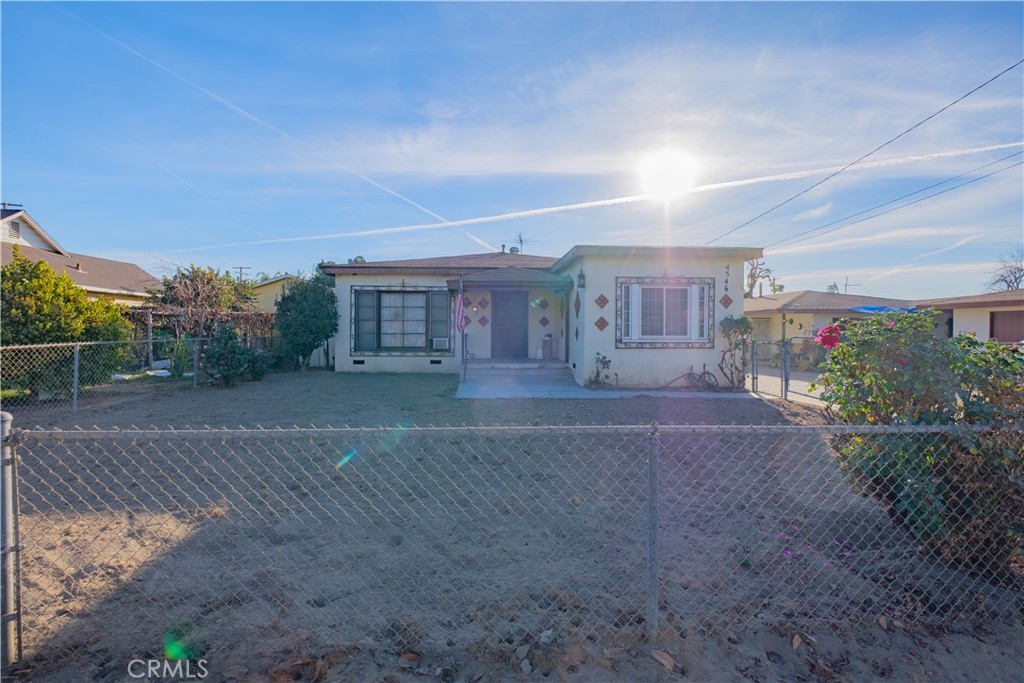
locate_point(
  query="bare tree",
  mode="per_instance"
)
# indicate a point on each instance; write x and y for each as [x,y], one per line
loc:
[1010,273]
[757,272]
[203,293]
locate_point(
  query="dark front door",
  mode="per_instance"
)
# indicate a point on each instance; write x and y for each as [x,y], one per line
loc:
[509,326]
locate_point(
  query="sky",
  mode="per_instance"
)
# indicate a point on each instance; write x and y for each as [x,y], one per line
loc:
[273,136]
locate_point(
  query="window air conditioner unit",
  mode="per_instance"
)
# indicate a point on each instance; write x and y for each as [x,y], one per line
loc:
[439,343]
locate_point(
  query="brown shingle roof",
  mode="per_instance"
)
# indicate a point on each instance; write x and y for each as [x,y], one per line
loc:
[96,274]
[1013,297]
[809,301]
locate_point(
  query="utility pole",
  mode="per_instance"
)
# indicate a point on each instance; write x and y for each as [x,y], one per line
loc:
[240,269]
[846,287]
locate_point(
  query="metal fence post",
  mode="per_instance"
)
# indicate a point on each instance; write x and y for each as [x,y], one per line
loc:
[787,346]
[195,362]
[10,594]
[653,455]
[74,380]
[753,366]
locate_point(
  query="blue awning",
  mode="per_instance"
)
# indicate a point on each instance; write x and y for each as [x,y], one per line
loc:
[883,309]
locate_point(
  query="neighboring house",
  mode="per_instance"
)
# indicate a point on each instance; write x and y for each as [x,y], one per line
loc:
[269,291]
[101,278]
[997,315]
[652,311]
[803,313]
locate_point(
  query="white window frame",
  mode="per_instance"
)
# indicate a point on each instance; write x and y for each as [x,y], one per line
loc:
[700,320]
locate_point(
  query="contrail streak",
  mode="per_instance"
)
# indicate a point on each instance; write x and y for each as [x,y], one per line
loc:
[868,165]
[531,213]
[197,190]
[432,226]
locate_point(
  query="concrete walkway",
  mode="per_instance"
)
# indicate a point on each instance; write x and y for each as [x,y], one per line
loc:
[527,382]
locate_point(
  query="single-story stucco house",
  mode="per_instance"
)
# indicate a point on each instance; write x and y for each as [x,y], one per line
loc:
[653,312]
[117,281]
[996,315]
[802,313]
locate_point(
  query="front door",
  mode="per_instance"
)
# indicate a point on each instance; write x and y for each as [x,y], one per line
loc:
[510,324]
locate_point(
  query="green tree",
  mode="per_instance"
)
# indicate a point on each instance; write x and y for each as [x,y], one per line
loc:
[307,314]
[833,288]
[40,306]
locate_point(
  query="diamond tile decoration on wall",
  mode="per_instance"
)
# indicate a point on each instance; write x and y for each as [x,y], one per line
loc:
[544,304]
[483,320]
[577,334]
[466,301]
[483,303]
[577,304]
[601,323]
[726,300]
[466,320]
[544,321]
[601,301]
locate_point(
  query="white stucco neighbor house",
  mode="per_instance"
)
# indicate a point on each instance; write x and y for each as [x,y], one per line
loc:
[996,315]
[653,312]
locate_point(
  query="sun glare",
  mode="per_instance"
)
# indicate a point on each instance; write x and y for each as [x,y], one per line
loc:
[667,175]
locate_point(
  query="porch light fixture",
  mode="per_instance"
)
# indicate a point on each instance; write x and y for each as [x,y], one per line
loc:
[581,279]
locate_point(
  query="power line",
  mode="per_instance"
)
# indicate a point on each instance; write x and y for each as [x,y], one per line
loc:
[902,206]
[892,201]
[857,161]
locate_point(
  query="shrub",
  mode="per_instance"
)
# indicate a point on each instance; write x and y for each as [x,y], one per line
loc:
[258,365]
[226,358]
[733,364]
[962,492]
[180,356]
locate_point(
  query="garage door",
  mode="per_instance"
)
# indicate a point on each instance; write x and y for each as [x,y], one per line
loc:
[1007,326]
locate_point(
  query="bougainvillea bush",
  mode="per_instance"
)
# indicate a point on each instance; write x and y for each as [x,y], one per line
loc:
[962,491]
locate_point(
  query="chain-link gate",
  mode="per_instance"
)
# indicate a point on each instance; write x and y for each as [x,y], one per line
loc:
[443,542]
[787,368]
[767,367]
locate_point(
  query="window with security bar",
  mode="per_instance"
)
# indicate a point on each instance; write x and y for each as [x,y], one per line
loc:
[401,321]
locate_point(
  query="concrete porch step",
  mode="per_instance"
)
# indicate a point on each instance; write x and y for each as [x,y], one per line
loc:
[518,372]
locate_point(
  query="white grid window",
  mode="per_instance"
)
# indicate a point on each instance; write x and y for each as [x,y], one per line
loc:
[652,312]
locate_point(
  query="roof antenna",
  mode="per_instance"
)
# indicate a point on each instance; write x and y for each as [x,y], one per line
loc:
[7,205]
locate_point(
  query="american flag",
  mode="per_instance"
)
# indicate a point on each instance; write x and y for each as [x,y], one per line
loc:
[460,311]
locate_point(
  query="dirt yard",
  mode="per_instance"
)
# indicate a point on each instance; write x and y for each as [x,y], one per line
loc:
[403,556]
[325,398]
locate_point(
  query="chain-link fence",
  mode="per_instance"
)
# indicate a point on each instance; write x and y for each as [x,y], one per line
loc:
[424,542]
[788,368]
[45,381]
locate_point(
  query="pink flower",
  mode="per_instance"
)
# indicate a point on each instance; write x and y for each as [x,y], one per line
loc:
[828,336]
[891,324]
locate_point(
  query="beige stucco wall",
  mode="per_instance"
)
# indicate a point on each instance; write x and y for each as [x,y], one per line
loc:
[345,357]
[643,367]
[478,335]
[125,299]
